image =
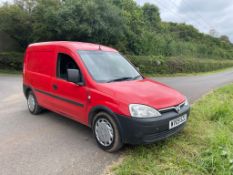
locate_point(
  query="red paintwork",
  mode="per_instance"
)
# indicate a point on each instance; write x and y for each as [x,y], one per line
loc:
[116,95]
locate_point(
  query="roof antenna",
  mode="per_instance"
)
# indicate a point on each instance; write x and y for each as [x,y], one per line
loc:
[100,47]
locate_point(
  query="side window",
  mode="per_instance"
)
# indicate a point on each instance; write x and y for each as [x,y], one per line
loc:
[65,62]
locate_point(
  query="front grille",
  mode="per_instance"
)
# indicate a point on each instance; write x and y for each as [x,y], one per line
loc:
[172,109]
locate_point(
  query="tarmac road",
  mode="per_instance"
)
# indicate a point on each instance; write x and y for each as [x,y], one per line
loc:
[52,144]
[196,86]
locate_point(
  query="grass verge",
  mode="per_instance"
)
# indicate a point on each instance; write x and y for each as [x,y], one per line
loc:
[6,71]
[205,146]
[189,74]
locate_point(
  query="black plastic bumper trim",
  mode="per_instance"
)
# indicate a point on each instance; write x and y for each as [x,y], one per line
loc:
[60,98]
[144,131]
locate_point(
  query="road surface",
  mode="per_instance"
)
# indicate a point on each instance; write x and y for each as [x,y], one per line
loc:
[51,144]
[196,86]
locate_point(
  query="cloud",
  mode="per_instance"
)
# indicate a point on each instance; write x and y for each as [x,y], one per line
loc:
[204,15]
[201,6]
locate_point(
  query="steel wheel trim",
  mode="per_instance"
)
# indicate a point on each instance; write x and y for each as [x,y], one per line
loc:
[31,103]
[104,132]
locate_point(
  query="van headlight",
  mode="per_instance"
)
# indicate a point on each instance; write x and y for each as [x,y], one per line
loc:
[143,111]
[186,103]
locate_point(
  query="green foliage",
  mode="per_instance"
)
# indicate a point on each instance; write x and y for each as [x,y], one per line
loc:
[205,146]
[11,61]
[151,16]
[159,65]
[123,24]
[148,65]
[16,22]
[78,20]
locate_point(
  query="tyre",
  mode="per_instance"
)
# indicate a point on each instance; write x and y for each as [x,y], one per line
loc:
[33,106]
[106,132]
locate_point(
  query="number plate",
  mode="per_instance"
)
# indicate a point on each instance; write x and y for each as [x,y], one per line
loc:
[178,121]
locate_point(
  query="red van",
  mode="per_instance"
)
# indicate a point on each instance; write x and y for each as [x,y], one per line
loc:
[96,86]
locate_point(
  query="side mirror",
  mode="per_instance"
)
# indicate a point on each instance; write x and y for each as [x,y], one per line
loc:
[74,76]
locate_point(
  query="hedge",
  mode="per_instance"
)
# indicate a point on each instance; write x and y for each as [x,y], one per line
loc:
[11,61]
[159,65]
[147,64]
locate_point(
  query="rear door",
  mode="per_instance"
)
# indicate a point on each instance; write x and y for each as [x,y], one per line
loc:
[70,98]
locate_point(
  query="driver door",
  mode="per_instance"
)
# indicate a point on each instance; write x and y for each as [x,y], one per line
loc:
[70,98]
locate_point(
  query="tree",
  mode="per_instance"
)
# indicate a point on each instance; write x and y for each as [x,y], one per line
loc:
[132,17]
[123,24]
[91,21]
[225,38]
[151,15]
[16,23]
[26,5]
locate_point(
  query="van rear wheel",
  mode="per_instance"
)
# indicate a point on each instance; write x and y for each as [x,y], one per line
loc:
[33,106]
[106,132]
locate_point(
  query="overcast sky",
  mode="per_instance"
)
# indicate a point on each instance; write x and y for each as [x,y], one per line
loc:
[203,14]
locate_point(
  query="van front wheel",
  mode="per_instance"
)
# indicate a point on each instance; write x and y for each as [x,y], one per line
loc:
[106,132]
[33,106]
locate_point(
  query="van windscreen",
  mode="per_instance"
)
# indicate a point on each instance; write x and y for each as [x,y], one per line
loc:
[108,66]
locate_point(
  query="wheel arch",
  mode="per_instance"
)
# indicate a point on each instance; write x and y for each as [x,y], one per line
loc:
[26,90]
[95,110]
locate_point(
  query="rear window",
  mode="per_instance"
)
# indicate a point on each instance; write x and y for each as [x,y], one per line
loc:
[41,62]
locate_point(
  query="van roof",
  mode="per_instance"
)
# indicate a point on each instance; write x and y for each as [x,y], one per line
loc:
[71,45]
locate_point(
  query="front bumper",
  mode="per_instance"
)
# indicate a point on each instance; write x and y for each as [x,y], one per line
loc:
[144,131]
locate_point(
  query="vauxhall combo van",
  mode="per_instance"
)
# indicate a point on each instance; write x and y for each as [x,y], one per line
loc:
[96,86]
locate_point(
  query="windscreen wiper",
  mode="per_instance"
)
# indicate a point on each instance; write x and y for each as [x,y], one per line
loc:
[120,79]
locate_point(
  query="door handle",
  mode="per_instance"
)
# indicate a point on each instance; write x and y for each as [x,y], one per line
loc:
[55,87]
